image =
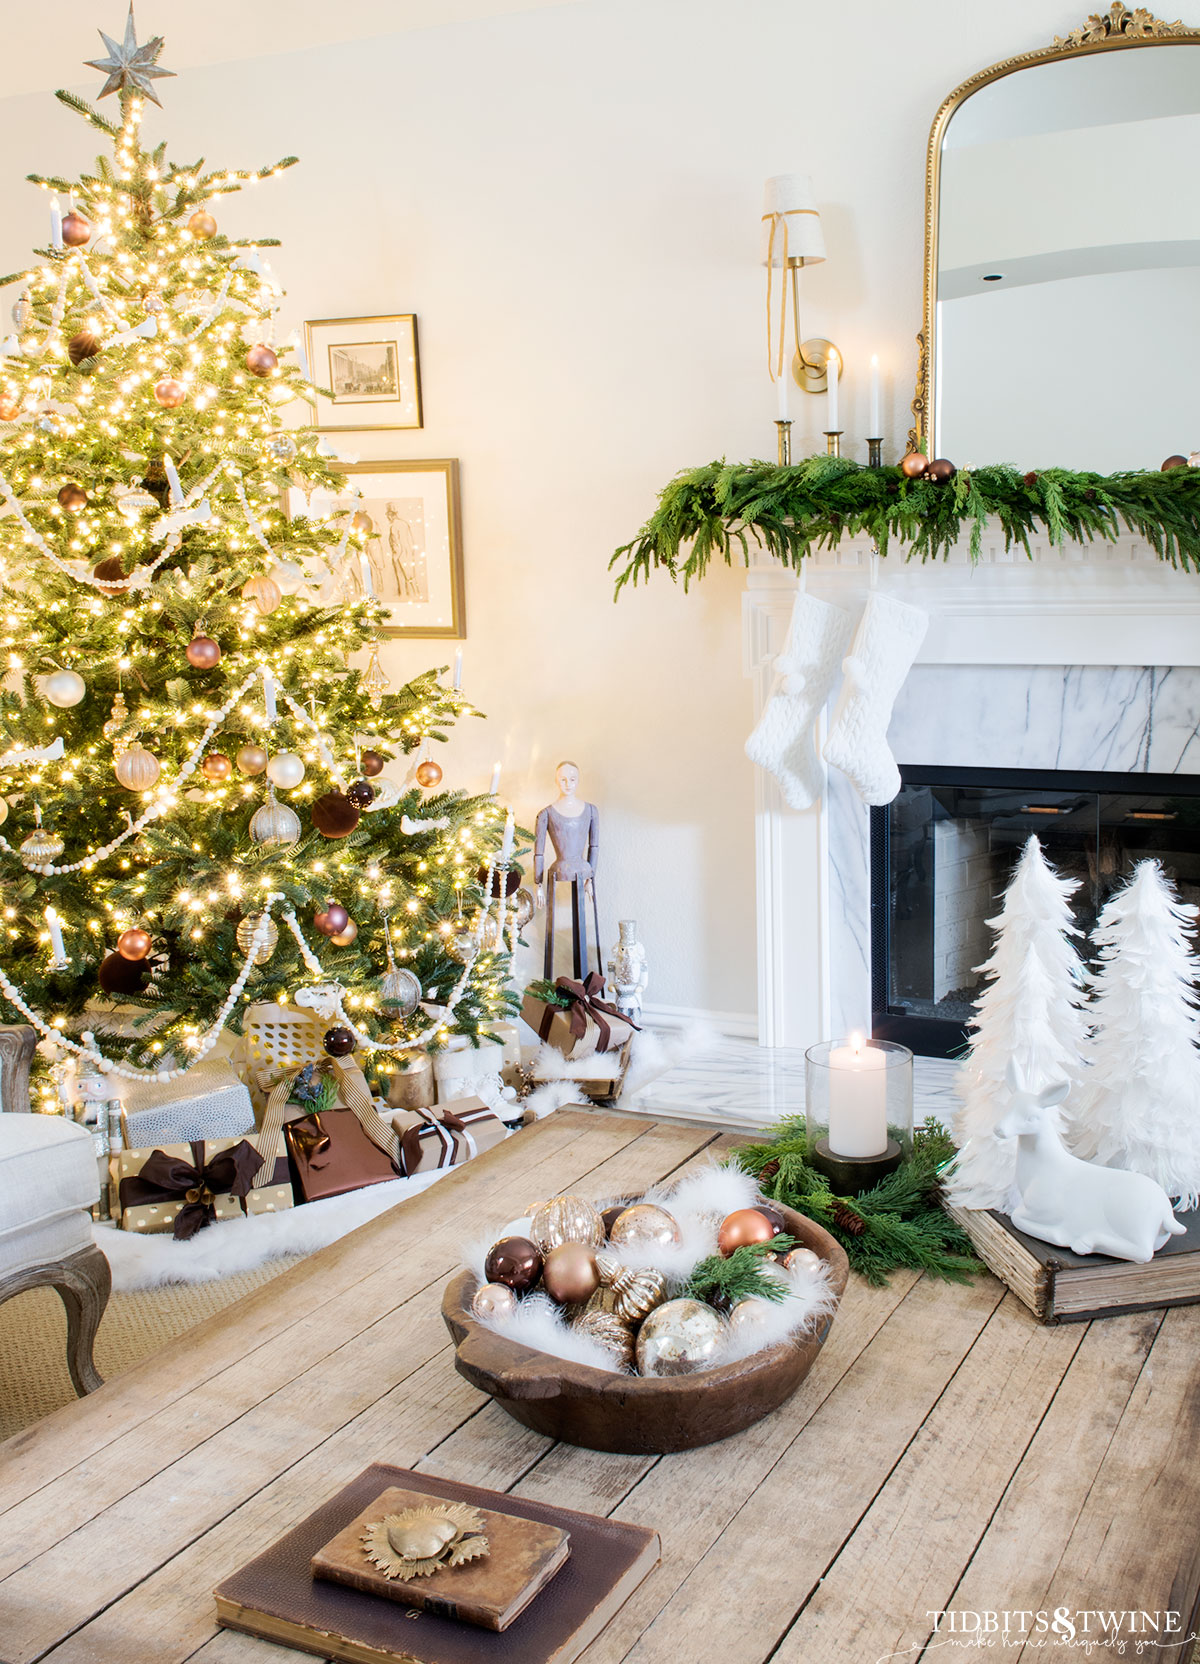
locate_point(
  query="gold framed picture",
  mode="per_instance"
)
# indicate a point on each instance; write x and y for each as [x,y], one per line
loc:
[370,370]
[412,560]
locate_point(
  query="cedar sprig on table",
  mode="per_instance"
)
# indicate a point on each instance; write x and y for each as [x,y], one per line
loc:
[900,1222]
[723,1281]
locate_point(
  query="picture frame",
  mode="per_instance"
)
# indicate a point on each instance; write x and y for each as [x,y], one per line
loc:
[413,559]
[371,368]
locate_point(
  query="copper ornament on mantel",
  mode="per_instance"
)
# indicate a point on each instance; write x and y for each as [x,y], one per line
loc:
[913,465]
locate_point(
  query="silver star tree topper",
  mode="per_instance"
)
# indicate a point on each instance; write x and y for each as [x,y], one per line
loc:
[130,68]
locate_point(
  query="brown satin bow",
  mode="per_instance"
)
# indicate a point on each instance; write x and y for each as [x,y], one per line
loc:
[585,1002]
[411,1149]
[165,1178]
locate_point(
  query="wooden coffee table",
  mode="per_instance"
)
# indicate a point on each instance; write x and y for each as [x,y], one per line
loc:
[944,1453]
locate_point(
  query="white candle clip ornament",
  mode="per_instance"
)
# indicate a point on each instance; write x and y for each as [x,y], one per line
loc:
[1077,1204]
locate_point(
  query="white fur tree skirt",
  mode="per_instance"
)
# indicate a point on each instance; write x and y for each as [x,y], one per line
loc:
[220,1250]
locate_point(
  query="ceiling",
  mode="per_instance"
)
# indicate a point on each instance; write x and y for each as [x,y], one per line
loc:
[40,55]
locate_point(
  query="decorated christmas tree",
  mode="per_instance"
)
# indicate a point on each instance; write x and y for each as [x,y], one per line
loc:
[1031,1013]
[195,805]
[1140,1104]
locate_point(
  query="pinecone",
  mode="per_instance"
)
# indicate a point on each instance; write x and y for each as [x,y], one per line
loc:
[768,1169]
[1031,478]
[852,1223]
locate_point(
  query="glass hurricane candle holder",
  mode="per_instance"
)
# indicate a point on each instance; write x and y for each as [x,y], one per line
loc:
[858,1110]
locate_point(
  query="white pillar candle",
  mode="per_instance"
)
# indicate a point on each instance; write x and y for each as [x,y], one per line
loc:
[506,846]
[56,936]
[55,223]
[874,430]
[458,657]
[857,1099]
[495,785]
[831,402]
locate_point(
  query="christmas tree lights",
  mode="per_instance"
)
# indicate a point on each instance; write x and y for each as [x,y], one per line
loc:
[178,649]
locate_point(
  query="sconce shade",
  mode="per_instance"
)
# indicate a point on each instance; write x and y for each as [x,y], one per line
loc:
[791,224]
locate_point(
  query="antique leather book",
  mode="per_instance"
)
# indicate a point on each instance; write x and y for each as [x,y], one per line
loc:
[523,1555]
[276,1597]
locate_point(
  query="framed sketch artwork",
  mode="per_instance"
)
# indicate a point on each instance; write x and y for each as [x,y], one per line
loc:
[370,369]
[412,559]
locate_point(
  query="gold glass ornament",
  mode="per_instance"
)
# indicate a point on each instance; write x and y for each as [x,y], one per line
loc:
[567,1219]
[635,1293]
[679,1338]
[264,592]
[118,718]
[645,1226]
[245,937]
[251,759]
[344,938]
[429,773]
[137,769]
[275,823]
[40,848]
[614,1335]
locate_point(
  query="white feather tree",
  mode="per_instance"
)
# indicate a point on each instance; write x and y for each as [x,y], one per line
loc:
[1032,1013]
[1140,1105]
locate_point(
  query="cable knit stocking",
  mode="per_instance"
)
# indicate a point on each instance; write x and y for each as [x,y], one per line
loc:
[886,642]
[784,741]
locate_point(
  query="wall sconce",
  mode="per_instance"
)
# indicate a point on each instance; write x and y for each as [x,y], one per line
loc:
[792,238]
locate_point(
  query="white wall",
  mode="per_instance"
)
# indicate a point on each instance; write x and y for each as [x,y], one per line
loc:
[569,199]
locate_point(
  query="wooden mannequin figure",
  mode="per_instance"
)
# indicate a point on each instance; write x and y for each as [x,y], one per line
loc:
[574,830]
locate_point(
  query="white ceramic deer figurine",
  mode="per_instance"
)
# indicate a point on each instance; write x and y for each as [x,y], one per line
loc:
[1079,1204]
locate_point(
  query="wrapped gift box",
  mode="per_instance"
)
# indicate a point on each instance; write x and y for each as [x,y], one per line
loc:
[150,1206]
[586,1024]
[208,1102]
[340,1144]
[446,1136]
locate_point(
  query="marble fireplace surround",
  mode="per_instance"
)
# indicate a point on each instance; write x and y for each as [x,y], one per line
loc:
[1086,657]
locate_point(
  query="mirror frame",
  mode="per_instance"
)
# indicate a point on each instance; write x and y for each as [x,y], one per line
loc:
[1115,30]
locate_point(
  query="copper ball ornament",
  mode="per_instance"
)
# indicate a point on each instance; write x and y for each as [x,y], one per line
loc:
[569,1274]
[73,497]
[216,767]
[264,592]
[339,1041]
[645,1226]
[360,521]
[75,230]
[134,943]
[514,1261]
[202,225]
[345,938]
[170,393]
[428,773]
[203,653]
[740,1229]
[251,759]
[81,346]
[1174,462]
[913,465]
[371,764]
[493,1300]
[260,360]
[334,816]
[10,408]
[118,975]
[941,470]
[331,920]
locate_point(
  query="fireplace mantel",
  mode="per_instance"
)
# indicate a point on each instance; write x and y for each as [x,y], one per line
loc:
[1110,604]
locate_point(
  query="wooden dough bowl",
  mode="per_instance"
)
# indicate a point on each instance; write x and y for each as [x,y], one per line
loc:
[642,1416]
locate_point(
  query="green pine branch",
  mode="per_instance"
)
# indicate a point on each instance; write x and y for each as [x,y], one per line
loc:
[723,1280]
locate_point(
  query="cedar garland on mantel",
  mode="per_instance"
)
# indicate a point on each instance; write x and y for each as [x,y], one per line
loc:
[793,511]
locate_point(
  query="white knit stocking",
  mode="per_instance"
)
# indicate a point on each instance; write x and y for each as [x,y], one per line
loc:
[784,740]
[886,642]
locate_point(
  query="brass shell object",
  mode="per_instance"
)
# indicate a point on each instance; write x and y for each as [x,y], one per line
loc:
[422,1541]
[566,1219]
[635,1293]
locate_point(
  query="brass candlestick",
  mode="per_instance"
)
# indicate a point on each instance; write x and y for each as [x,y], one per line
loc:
[875,453]
[833,441]
[785,441]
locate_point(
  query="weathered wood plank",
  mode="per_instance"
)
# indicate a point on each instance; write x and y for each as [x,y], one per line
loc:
[314,1410]
[911,1545]
[1135,1547]
[549,1155]
[1051,1485]
[430,1245]
[820,1485]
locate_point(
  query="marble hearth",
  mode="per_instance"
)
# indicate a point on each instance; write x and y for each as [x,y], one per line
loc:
[1084,659]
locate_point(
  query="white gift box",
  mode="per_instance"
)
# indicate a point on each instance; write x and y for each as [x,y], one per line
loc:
[207,1102]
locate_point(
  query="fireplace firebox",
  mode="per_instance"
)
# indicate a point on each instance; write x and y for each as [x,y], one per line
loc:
[942,854]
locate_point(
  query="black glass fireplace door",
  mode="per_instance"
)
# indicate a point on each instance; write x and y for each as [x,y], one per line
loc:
[942,854]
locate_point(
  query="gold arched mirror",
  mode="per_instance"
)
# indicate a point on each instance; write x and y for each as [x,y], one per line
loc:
[1062,254]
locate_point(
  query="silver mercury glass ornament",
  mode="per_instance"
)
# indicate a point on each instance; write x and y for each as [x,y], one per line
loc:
[401,989]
